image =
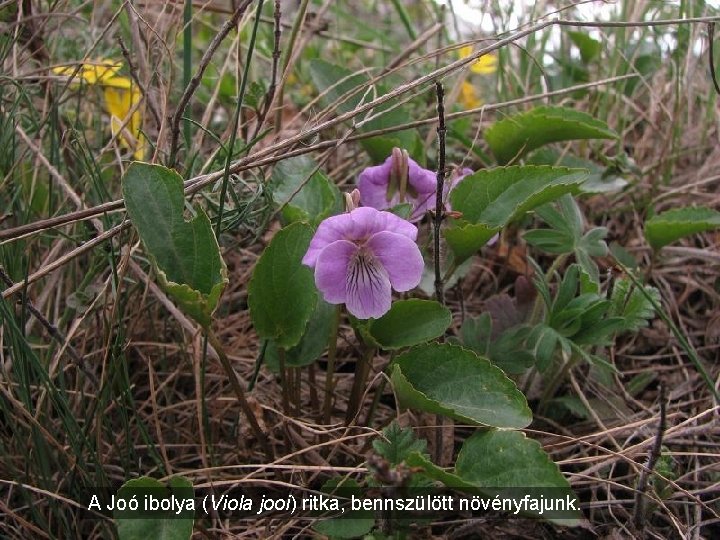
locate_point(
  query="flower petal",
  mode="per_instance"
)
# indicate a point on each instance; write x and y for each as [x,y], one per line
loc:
[330,230]
[373,185]
[400,257]
[371,221]
[368,286]
[355,226]
[331,270]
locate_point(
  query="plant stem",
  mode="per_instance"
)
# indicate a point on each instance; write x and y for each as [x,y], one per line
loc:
[376,401]
[235,383]
[284,380]
[332,352]
[554,383]
[362,368]
[536,311]
[405,18]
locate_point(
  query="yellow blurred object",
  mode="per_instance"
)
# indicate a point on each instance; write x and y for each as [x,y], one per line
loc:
[122,99]
[485,65]
[468,97]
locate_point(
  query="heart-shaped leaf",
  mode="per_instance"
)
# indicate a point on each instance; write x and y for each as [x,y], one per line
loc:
[506,463]
[516,135]
[185,253]
[410,322]
[313,342]
[497,196]
[281,293]
[447,379]
[466,240]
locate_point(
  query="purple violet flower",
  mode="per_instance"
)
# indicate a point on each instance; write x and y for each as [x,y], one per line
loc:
[360,256]
[398,180]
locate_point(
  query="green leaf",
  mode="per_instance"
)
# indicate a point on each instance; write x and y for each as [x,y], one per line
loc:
[634,307]
[665,228]
[466,240]
[410,322]
[352,523]
[507,463]
[476,333]
[335,82]
[550,240]
[593,242]
[501,458]
[589,47]
[185,254]
[545,343]
[281,293]
[515,135]
[312,344]
[158,524]
[600,180]
[304,193]
[447,379]
[508,351]
[497,459]
[500,195]
[398,443]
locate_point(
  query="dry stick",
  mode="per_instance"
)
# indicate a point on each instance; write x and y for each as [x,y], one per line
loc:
[437,223]
[240,393]
[653,456]
[415,45]
[65,258]
[439,205]
[299,21]
[258,159]
[143,67]
[195,81]
[270,96]
[133,73]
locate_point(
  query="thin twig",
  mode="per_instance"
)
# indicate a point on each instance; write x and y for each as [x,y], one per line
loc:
[270,96]
[653,456]
[133,73]
[195,81]
[439,203]
[90,244]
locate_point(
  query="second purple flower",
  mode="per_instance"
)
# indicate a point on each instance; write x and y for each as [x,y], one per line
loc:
[398,180]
